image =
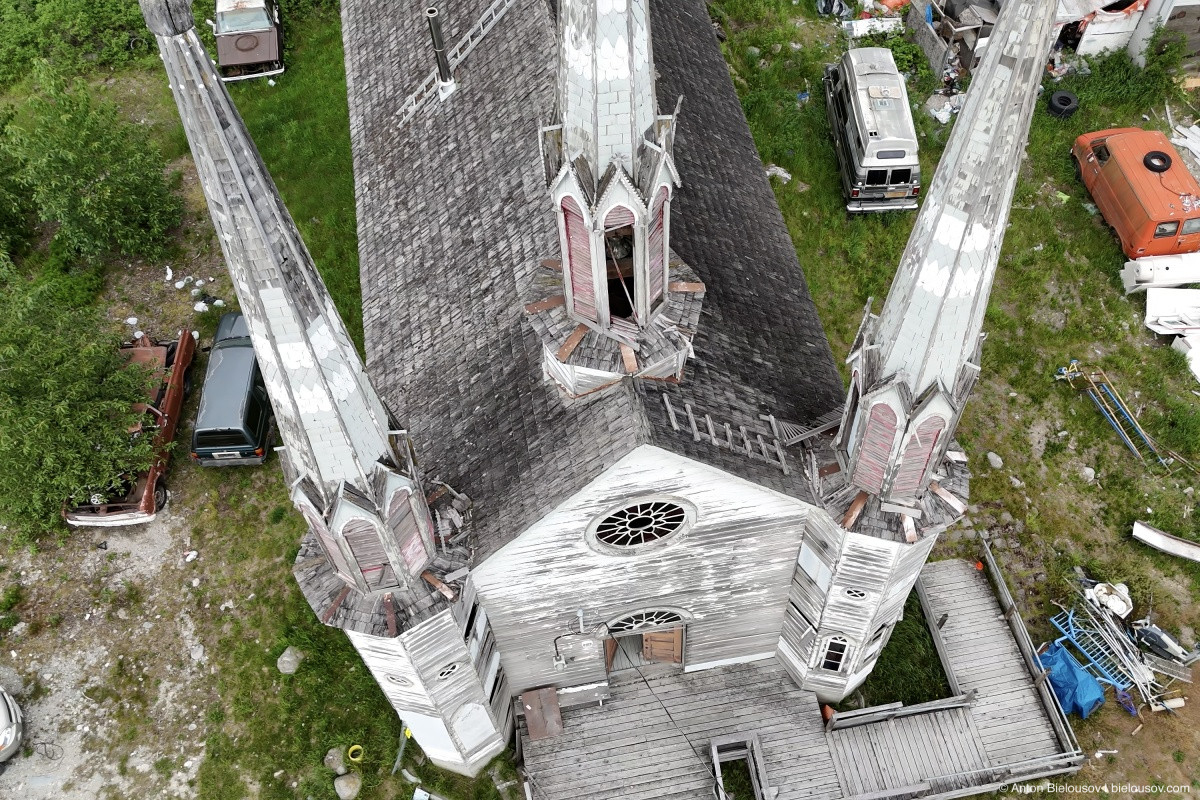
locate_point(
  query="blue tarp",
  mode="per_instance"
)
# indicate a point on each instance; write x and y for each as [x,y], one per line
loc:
[1077,690]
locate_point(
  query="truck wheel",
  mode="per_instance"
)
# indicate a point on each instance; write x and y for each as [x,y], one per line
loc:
[1078,170]
[187,381]
[1063,104]
[1157,161]
[160,496]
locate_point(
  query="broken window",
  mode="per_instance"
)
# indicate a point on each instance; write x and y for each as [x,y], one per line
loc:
[877,177]
[1165,229]
[1191,226]
[901,175]
[618,255]
[834,658]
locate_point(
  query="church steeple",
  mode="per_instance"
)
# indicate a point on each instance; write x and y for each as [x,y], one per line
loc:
[609,168]
[352,476]
[914,365]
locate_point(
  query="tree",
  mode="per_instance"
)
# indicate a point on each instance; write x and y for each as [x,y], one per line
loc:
[98,177]
[66,397]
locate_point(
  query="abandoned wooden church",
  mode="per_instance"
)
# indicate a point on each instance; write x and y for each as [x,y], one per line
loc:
[599,486]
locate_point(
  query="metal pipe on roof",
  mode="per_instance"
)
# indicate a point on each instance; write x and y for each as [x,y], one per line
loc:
[439,45]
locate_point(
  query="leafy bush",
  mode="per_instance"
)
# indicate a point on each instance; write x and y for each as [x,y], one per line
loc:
[72,34]
[65,405]
[910,59]
[100,178]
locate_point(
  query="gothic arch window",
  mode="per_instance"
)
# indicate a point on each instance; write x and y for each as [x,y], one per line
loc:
[833,658]
[328,543]
[656,246]
[577,266]
[641,525]
[876,448]
[367,547]
[405,527]
[619,254]
[917,453]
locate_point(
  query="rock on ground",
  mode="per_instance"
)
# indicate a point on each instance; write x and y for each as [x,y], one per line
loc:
[348,786]
[289,660]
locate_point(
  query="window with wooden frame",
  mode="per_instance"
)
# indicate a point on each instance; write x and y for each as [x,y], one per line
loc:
[656,247]
[917,454]
[577,261]
[833,658]
[619,253]
[875,451]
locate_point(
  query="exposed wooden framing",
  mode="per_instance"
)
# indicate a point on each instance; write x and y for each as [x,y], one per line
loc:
[695,287]
[335,605]
[433,580]
[554,301]
[910,528]
[389,610]
[856,507]
[958,505]
[572,342]
[552,263]
[629,359]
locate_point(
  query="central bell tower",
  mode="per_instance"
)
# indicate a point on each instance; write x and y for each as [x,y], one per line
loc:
[611,177]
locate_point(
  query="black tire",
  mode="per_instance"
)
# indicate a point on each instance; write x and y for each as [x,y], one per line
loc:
[1156,161]
[1078,169]
[171,348]
[1063,104]
[160,496]
[187,381]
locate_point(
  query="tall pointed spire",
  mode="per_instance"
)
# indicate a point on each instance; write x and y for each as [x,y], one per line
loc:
[606,82]
[914,365]
[354,483]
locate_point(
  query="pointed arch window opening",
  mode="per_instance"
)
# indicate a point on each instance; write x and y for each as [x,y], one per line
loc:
[620,254]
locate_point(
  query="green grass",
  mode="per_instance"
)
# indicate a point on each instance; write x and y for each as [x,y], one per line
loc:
[909,670]
[301,127]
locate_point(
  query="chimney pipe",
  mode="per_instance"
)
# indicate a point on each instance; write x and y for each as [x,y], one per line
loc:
[445,78]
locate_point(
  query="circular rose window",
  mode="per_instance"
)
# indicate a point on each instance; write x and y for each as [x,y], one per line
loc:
[640,524]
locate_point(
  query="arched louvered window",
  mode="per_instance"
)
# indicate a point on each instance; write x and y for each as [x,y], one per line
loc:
[656,246]
[876,448]
[406,527]
[917,452]
[618,262]
[577,266]
[367,547]
[834,657]
[328,544]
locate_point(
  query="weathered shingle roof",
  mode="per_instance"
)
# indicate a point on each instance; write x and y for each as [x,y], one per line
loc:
[454,221]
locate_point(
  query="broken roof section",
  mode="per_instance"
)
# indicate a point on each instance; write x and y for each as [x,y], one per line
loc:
[454,222]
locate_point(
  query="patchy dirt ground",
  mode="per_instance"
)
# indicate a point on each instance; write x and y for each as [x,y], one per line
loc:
[114,643]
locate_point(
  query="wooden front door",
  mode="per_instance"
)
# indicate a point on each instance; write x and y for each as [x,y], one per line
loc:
[664,646]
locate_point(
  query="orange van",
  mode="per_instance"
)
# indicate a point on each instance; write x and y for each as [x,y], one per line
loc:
[1142,188]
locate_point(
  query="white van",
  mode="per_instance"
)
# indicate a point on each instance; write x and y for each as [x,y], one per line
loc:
[873,131]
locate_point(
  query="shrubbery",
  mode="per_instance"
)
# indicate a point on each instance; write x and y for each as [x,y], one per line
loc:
[98,177]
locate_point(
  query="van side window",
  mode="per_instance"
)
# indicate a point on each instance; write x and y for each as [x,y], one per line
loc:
[877,177]
[1164,229]
[1101,151]
[1191,226]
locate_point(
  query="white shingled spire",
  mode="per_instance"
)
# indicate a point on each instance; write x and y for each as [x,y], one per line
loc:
[914,365]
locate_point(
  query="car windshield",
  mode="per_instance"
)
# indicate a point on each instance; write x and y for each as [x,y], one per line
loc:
[243,19]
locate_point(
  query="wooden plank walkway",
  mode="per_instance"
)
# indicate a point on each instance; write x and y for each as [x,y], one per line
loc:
[906,751]
[632,748]
[1010,717]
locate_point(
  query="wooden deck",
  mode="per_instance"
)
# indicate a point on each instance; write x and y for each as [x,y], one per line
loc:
[632,749]
[884,756]
[651,740]
[1009,714]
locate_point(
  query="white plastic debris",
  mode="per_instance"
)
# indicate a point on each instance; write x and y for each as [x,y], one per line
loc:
[196,336]
[180,284]
[775,171]
[218,303]
[199,282]
[170,274]
[131,321]
[191,555]
[201,307]
[195,292]
[138,334]
[270,81]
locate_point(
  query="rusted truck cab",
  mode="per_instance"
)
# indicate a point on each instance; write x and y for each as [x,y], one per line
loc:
[249,39]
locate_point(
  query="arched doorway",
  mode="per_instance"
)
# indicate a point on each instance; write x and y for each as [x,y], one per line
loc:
[648,636]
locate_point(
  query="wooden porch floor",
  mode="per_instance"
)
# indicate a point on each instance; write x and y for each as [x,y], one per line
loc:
[650,741]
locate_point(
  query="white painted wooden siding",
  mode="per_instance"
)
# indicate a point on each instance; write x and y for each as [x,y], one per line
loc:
[731,571]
